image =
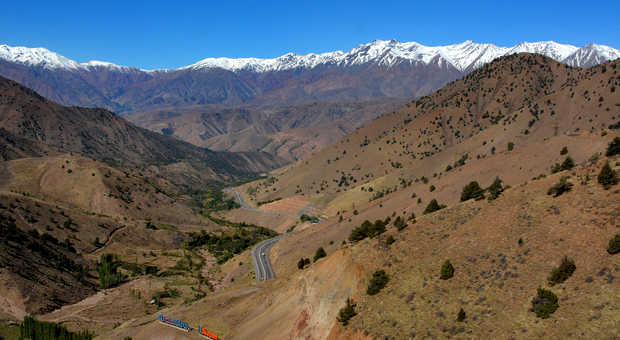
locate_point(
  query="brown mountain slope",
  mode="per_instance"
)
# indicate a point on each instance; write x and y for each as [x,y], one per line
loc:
[289,131]
[522,99]
[495,276]
[78,202]
[104,136]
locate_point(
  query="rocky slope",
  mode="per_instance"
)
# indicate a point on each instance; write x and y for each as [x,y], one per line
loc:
[104,136]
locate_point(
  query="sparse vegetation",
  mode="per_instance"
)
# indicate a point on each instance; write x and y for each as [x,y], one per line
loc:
[347,312]
[306,218]
[563,272]
[269,201]
[568,164]
[433,206]
[303,262]
[400,224]
[614,245]
[472,190]
[461,316]
[390,240]
[608,176]
[613,148]
[447,271]
[564,151]
[320,253]
[511,146]
[378,281]
[561,187]
[545,303]
[496,189]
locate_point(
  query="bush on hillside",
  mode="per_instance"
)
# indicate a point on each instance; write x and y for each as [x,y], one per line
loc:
[608,176]
[568,164]
[399,223]
[447,270]
[303,262]
[368,229]
[433,206]
[347,312]
[472,190]
[564,151]
[320,253]
[614,245]
[561,187]
[563,272]
[377,282]
[511,146]
[461,316]
[545,303]
[495,189]
[613,148]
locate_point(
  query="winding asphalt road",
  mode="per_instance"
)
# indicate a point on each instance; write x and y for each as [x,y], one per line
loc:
[260,253]
[260,257]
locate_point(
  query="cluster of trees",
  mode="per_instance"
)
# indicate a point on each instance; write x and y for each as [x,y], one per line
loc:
[38,330]
[368,229]
[268,201]
[226,245]
[213,200]
[474,191]
[107,267]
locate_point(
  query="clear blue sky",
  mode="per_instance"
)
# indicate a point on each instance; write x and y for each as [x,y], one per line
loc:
[169,34]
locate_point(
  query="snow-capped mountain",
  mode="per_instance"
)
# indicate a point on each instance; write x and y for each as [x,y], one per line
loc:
[464,57]
[45,58]
[591,55]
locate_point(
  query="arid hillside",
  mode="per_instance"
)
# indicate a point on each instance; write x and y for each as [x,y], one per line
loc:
[288,131]
[502,251]
[374,194]
[104,136]
[521,103]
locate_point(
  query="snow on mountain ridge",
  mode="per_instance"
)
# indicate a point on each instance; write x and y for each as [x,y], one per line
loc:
[465,56]
[591,55]
[45,58]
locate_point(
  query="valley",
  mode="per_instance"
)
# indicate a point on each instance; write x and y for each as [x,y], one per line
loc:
[481,201]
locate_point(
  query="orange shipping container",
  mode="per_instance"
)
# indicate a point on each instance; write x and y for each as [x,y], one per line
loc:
[208,334]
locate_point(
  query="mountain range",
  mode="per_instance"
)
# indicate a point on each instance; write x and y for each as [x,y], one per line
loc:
[290,106]
[401,70]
